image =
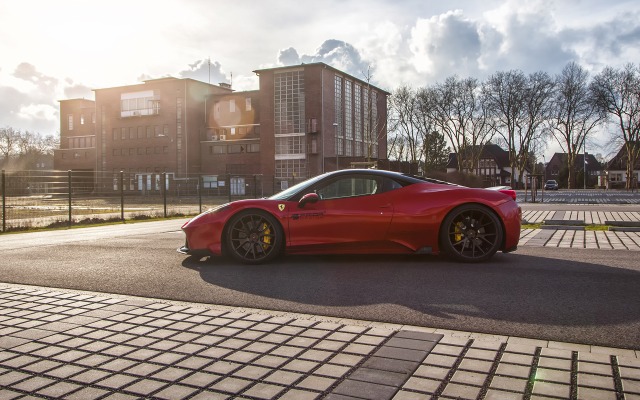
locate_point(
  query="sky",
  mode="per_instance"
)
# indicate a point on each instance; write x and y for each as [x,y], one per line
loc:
[58,50]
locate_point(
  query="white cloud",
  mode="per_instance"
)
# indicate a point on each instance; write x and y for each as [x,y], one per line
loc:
[414,42]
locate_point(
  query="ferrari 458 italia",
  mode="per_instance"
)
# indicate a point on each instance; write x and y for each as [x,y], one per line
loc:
[361,212]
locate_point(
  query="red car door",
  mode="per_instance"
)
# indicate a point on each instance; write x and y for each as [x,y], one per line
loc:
[350,214]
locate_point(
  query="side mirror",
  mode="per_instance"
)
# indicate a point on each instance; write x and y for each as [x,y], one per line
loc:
[308,198]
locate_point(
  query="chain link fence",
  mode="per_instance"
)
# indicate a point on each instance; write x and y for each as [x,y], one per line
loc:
[36,199]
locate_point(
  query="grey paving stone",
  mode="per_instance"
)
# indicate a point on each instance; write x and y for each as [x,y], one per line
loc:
[87,393]
[33,384]
[385,364]
[422,385]
[318,383]
[412,344]
[145,387]
[231,385]
[12,377]
[551,389]
[200,379]
[469,378]
[475,365]
[510,384]
[364,390]
[285,378]
[494,394]
[264,391]
[386,378]
[461,392]
[176,392]
[65,371]
[594,368]
[547,362]
[597,381]
[401,354]
[90,376]
[517,371]
[596,394]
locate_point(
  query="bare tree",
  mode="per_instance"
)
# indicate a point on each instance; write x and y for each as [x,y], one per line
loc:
[459,113]
[617,93]
[404,108]
[374,129]
[519,106]
[9,139]
[575,114]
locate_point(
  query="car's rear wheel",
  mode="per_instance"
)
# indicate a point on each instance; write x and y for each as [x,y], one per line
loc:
[471,233]
[254,237]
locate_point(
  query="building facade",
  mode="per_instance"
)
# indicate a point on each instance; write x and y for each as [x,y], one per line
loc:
[302,121]
[557,169]
[492,166]
[616,170]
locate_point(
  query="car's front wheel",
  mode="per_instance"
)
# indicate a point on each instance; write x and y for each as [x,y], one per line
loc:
[254,237]
[471,233]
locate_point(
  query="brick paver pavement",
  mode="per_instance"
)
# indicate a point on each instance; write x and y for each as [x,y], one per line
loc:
[57,343]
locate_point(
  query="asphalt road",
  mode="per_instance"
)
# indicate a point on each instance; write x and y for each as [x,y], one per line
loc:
[583,296]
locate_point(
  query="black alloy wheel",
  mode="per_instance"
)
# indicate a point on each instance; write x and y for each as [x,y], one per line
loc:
[254,237]
[471,233]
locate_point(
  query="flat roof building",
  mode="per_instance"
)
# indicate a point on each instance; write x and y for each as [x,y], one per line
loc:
[302,121]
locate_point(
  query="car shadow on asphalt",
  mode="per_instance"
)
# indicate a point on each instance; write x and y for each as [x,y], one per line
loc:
[522,291]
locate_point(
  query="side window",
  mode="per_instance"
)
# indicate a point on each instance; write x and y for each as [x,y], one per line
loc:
[349,187]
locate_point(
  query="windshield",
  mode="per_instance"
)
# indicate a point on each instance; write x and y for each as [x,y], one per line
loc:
[293,190]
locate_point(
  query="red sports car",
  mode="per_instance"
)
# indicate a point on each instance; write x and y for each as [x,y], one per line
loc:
[361,212]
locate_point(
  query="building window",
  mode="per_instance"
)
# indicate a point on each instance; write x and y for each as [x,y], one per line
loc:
[290,145]
[139,103]
[291,168]
[157,131]
[81,119]
[115,133]
[232,105]
[339,128]
[165,130]
[132,133]
[123,133]
[149,133]
[140,132]
[289,111]
[217,149]
[247,103]
[70,119]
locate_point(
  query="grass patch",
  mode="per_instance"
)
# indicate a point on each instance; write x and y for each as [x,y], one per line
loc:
[89,222]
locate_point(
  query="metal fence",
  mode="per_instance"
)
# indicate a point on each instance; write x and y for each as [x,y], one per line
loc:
[32,199]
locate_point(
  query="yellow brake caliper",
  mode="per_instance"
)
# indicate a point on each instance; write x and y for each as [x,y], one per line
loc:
[458,232]
[266,239]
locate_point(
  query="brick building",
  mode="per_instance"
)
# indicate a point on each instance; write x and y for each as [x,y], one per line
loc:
[302,121]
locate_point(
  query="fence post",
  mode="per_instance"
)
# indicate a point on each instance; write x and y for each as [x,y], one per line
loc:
[69,193]
[200,185]
[4,202]
[122,196]
[164,192]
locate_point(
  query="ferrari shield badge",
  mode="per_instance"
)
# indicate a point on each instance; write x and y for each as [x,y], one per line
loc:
[281,207]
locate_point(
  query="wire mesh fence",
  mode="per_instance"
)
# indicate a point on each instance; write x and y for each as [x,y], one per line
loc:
[35,199]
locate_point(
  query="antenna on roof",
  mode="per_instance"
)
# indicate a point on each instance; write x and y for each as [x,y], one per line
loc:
[231,82]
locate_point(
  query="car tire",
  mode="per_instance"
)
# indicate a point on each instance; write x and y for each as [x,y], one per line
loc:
[253,237]
[471,233]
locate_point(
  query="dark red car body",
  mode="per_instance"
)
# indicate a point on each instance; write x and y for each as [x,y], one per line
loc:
[404,218]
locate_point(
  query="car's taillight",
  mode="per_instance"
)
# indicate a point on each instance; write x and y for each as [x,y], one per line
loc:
[510,193]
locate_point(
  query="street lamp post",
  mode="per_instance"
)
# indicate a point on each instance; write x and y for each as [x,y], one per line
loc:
[335,125]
